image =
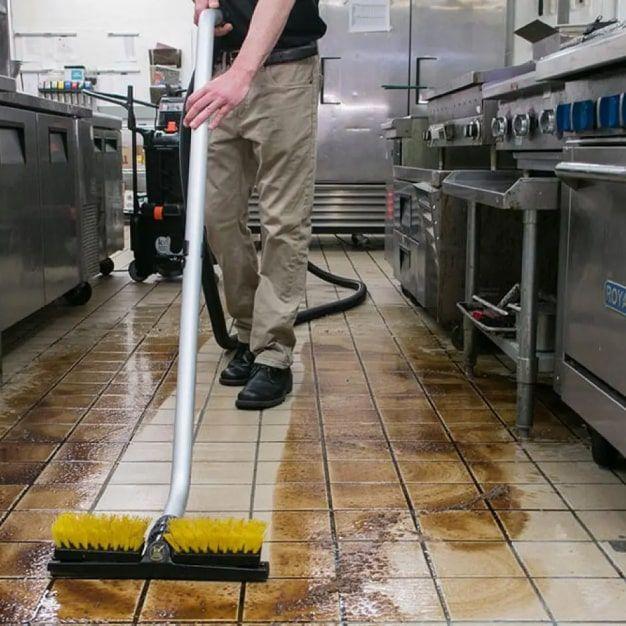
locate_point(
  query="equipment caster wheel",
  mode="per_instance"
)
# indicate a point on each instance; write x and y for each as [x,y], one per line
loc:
[79,295]
[106,267]
[456,336]
[603,453]
[359,241]
[134,273]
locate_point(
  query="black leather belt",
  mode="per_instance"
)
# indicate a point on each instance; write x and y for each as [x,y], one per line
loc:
[283,55]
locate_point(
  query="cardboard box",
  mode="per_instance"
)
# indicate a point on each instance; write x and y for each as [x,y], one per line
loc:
[166,56]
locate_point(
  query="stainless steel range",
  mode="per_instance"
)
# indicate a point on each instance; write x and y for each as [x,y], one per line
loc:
[526,113]
[592,306]
[458,113]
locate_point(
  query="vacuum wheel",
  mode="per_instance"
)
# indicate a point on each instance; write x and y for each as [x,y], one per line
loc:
[80,295]
[457,338]
[171,270]
[603,453]
[134,273]
[107,266]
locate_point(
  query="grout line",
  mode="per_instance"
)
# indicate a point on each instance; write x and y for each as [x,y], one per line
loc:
[140,601]
[257,447]
[414,516]
[329,494]
[456,447]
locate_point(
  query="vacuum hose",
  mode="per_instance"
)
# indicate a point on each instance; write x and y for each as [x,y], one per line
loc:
[209,282]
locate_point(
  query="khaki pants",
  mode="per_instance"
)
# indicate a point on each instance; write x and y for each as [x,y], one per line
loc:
[268,142]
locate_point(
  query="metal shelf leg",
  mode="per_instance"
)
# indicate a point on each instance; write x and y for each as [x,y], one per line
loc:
[527,339]
[470,334]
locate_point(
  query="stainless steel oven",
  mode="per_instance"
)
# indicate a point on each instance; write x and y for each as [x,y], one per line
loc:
[592,316]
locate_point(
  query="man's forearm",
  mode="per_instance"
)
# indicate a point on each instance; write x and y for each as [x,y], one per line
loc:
[267,24]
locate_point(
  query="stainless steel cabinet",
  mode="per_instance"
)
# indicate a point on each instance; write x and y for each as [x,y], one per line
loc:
[21,256]
[60,206]
[426,241]
[409,264]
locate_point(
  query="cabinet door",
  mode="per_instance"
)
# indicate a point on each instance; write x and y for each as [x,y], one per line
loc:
[58,157]
[359,54]
[21,255]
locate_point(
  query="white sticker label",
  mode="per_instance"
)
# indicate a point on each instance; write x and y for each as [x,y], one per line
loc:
[370,16]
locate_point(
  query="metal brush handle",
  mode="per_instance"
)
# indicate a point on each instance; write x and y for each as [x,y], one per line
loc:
[190,305]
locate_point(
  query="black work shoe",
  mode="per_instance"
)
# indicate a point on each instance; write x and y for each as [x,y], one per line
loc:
[239,370]
[266,388]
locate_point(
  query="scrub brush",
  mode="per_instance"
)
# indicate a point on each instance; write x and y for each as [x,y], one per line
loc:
[201,548]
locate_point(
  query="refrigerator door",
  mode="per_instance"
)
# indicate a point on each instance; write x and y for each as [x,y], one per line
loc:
[58,153]
[366,46]
[449,38]
[21,256]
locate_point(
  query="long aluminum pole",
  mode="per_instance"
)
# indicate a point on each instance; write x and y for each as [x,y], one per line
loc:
[190,306]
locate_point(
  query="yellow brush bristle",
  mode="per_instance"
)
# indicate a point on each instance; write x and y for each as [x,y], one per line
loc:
[217,536]
[88,531]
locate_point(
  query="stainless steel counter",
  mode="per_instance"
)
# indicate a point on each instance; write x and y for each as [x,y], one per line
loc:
[42,105]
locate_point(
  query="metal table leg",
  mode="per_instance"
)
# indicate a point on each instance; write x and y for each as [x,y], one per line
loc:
[471,284]
[527,334]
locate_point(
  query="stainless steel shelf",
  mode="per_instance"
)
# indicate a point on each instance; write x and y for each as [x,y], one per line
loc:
[420,175]
[505,339]
[507,190]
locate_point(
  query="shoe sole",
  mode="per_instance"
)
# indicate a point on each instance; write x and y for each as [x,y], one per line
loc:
[255,405]
[237,382]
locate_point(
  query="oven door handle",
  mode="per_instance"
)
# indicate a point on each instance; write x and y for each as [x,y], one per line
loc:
[569,173]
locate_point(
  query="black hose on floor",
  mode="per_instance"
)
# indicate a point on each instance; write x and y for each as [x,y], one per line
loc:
[209,282]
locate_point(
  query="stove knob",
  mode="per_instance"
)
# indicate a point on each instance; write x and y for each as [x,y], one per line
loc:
[500,126]
[583,116]
[427,135]
[523,124]
[547,122]
[449,131]
[473,130]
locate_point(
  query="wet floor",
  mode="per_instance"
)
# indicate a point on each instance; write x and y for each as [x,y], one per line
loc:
[395,488]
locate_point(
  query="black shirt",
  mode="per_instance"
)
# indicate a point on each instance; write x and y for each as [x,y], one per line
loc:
[304,24]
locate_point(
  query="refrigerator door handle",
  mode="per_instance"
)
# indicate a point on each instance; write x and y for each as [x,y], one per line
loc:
[323,98]
[418,73]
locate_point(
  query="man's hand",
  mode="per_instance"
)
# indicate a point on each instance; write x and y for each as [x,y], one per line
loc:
[202,5]
[218,98]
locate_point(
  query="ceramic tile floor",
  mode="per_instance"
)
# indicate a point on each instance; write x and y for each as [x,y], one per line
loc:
[395,488]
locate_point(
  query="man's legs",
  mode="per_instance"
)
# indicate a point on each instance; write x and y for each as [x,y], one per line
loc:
[229,182]
[280,119]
